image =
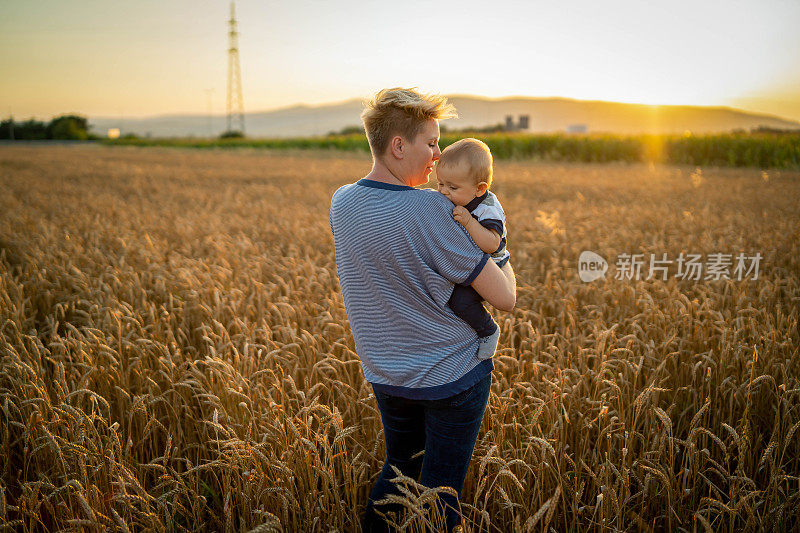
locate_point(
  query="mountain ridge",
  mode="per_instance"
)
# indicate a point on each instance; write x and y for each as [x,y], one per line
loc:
[546,115]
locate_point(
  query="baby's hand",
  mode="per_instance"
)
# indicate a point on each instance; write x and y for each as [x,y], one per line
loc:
[462,215]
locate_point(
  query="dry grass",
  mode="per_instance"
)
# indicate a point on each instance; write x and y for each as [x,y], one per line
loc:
[174,352]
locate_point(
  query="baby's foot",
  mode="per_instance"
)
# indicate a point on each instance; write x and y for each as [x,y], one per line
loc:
[488,345]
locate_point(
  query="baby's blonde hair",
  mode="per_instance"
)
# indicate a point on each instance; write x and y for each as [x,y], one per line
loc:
[474,154]
[403,112]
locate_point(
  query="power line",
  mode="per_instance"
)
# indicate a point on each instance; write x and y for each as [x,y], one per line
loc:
[209,93]
[235,105]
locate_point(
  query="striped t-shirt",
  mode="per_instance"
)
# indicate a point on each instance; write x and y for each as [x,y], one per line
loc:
[398,254]
[487,210]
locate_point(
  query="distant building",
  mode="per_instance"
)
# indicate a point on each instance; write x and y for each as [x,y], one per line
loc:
[577,128]
[522,124]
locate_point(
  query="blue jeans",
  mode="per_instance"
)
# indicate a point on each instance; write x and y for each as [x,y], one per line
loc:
[446,429]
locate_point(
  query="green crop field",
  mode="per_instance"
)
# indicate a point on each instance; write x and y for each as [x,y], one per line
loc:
[762,150]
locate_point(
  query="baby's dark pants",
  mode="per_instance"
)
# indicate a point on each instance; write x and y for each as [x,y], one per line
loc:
[467,304]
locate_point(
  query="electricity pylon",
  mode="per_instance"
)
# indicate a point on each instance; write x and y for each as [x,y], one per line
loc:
[235,105]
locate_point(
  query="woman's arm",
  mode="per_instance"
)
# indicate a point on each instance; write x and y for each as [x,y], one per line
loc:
[498,286]
[486,239]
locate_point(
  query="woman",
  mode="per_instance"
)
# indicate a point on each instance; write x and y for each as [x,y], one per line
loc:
[398,254]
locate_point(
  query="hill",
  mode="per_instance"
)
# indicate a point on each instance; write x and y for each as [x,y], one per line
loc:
[547,115]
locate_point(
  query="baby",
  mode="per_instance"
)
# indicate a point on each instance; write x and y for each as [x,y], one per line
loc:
[464,173]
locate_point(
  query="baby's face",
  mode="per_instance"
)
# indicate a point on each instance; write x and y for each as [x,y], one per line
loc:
[454,183]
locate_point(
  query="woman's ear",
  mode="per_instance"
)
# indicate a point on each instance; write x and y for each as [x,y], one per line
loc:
[396,147]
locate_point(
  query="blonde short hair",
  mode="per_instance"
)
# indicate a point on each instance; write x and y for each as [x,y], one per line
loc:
[474,154]
[401,112]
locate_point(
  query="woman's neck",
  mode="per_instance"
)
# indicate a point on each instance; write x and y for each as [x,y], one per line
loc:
[384,174]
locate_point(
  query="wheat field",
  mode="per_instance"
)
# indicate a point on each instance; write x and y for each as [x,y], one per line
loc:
[175,354]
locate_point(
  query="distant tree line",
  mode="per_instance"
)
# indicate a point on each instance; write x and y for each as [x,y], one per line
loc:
[64,127]
[761,149]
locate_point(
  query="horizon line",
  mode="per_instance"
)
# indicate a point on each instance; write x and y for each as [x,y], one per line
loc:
[305,105]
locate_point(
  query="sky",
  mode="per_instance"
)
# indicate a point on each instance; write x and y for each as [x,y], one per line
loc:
[150,57]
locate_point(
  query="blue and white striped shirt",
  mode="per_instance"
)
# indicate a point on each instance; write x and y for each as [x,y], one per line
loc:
[398,254]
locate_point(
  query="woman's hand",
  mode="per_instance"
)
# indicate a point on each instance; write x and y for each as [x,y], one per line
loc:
[498,286]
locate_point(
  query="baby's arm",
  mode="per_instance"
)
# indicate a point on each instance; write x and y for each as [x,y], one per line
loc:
[487,240]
